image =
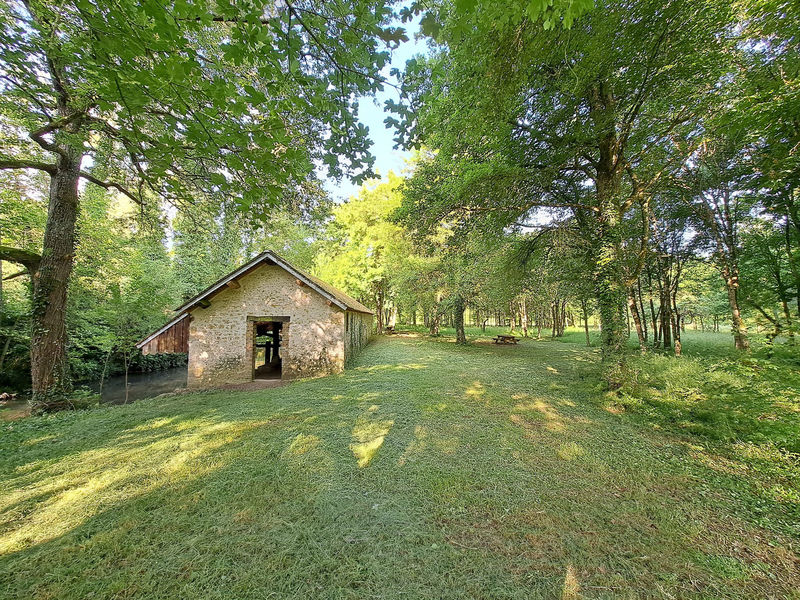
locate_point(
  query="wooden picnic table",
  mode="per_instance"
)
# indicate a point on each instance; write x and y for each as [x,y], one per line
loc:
[506,339]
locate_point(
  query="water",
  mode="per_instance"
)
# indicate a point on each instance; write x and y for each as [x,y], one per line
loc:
[141,385]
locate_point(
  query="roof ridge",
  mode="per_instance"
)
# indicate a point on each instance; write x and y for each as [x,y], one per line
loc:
[325,289]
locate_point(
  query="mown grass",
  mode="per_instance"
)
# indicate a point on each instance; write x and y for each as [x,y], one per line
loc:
[429,470]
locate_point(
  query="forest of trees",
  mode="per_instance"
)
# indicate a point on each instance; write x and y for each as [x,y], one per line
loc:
[630,165]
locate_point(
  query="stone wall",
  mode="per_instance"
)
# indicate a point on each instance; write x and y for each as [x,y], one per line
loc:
[357,333]
[221,336]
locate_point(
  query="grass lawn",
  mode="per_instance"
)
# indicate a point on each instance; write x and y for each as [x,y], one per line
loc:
[428,470]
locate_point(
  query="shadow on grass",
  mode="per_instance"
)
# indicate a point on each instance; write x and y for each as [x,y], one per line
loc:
[399,483]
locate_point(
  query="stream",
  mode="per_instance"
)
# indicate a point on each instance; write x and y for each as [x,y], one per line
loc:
[140,385]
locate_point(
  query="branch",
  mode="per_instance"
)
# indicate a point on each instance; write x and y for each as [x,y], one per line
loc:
[15,275]
[29,260]
[21,163]
[755,305]
[31,96]
[111,184]
[38,134]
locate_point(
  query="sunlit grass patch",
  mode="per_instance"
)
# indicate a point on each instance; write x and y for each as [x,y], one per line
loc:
[302,444]
[570,451]
[369,434]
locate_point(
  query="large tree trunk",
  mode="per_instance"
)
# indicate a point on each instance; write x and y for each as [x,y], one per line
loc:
[458,317]
[49,366]
[609,279]
[609,272]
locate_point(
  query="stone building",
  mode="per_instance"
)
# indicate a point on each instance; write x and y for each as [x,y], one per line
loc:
[265,320]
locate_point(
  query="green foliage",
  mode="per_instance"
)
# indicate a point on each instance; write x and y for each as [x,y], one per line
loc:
[208,97]
[364,248]
[740,416]
[22,218]
[122,285]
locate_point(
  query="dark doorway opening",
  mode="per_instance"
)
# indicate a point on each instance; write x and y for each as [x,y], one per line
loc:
[267,363]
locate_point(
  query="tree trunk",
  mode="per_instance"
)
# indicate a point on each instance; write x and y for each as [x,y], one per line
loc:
[585,309]
[738,328]
[379,302]
[628,320]
[783,295]
[608,271]
[788,316]
[105,370]
[653,314]
[676,331]
[458,317]
[49,366]
[2,300]
[642,314]
[609,284]
[127,364]
[523,303]
[435,320]
[637,321]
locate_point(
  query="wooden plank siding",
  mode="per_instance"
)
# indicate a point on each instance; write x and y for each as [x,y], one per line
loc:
[174,340]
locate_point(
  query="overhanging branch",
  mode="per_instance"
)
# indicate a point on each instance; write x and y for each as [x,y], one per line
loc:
[29,260]
[111,185]
[21,163]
